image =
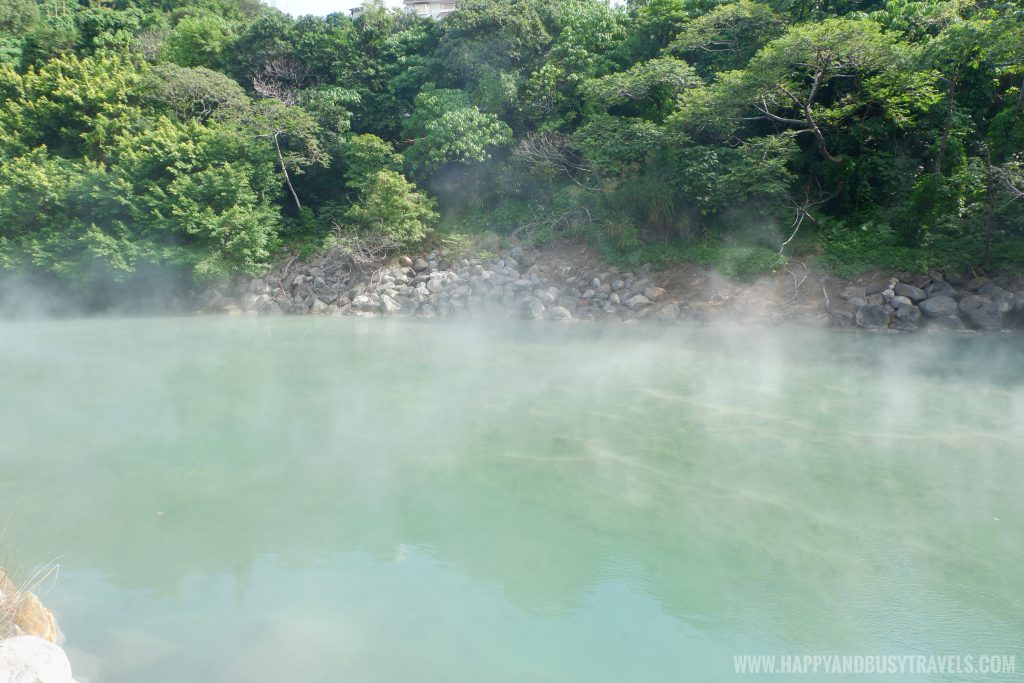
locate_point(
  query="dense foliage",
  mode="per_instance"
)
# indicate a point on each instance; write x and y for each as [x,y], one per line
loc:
[202,135]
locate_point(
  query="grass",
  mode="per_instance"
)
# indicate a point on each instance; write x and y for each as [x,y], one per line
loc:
[850,251]
[13,592]
[742,262]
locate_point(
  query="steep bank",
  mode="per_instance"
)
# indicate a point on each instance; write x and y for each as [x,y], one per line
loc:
[566,281]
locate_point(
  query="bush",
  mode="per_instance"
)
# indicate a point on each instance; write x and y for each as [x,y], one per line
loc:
[389,206]
[850,251]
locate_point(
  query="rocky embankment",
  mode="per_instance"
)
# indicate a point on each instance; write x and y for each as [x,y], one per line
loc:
[941,300]
[29,639]
[568,283]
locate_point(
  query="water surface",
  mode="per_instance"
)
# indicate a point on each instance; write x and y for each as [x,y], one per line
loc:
[309,499]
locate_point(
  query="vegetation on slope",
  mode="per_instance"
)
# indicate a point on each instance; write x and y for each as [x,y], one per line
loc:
[199,137]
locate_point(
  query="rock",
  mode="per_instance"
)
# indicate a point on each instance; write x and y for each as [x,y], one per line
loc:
[873,288]
[941,289]
[435,285]
[977,283]
[637,301]
[532,309]
[877,299]
[617,285]
[420,264]
[389,306]
[258,286]
[426,311]
[908,313]
[982,313]
[913,293]
[947,322]
[898,301]
[29,659]
[842,319]
[365,302]
[29,615]
[318,306]
[938,306]
[614,298]
[405,261]
[558,313]
[904,326]
[666,313]
[873,316]
[654,293]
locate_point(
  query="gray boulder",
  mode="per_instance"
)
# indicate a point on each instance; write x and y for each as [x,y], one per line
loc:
[558,313]
[909,313]
[938,306]
[637,301]
[947,322]
[873,316]
[420,264]
[941,289]
[982,313]
[532,309]
[666,313]
[898,301]
[654,293]
[389,306]
[913,293]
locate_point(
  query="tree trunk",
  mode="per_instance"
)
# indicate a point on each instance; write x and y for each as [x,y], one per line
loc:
[990,213]
[948,126]
[284,170]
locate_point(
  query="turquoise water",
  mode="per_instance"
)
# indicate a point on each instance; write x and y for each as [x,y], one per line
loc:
[373,500]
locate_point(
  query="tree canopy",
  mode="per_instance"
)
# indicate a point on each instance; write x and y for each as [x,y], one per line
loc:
[204,135]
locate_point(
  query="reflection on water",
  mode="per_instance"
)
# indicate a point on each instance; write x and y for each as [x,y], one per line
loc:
[338,499]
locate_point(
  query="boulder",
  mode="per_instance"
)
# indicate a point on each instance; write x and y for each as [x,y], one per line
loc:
[908,313]
[389,306]
[405,261]
[29,659]
[637,301]
[938,306]
[947,322]
[942,289]
[532,309]
[366,302]
[654,293]
[983,314]
[913,293]
[29,615]
[898,301]
[873,316]
[558,313]
[666,313]
[420,264]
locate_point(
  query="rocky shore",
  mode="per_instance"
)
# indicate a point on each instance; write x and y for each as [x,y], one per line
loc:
[30,649]
[567,282]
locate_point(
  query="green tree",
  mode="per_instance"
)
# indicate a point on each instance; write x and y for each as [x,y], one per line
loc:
[445,128]
[390,207]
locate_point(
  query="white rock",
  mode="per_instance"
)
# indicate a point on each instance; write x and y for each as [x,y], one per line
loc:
[28,659]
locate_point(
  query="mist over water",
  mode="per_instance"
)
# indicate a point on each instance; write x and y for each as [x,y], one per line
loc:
[323,499]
